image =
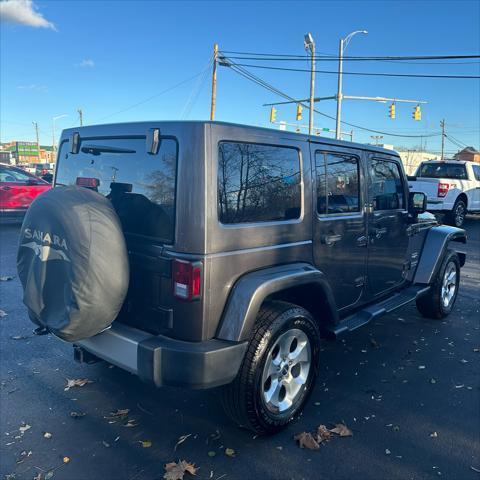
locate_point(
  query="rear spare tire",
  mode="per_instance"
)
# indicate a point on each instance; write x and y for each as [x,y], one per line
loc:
[72,262]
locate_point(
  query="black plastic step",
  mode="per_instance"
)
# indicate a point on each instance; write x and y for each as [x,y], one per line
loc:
[367,314]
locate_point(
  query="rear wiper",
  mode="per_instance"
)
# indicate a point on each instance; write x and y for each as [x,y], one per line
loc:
[98,149]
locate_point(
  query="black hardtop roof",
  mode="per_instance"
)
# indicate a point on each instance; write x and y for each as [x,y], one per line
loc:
[284,133]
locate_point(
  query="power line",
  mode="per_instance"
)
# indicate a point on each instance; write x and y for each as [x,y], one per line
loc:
[355,58]
[250,76]
[152,96]
[408,75]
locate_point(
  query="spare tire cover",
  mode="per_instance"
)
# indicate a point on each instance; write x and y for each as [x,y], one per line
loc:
[72,261]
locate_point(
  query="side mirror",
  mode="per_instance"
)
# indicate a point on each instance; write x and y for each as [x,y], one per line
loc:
[417,203]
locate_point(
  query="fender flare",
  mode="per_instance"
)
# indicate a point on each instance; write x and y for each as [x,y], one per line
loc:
[437,241]
[250,291]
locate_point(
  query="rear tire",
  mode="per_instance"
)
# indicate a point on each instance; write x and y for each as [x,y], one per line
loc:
[456,217]
[439,301]
[278,371]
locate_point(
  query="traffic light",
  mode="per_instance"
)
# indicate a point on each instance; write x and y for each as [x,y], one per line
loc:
[417,113]
[299,112]
[273,115]
[391,111]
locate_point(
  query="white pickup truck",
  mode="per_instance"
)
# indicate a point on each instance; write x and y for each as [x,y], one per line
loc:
[452,188]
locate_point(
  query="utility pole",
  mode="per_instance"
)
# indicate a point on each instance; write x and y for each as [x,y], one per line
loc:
[35,124]
[310,45]
[442,124]
[214,83]
[80,115]
[343,44]
[376,138]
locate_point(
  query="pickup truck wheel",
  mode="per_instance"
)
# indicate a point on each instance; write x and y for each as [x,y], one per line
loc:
[439,301]
[278,370]
[457,216]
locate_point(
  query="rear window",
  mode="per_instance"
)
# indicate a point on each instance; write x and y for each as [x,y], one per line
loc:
[442,170]
[258,183]
[140,186]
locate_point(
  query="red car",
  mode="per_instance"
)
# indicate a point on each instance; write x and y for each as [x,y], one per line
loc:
[18,189]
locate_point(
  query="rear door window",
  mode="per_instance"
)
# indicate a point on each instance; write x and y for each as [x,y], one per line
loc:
[338,186]
[258,183]
[140,186]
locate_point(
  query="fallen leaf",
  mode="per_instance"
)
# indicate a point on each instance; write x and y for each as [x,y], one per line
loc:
[131,423]
[476,350]
[105,444]
[77,414]
[7,278]
[463,361]
[3,313]
[146,443]
[176,471]
[79,382]
[374,343]
[181,440]
[434,434]
[306,440]
[342,430]
[24,428]
[387,451]
[19,337]
[421,367]
[121,414]
[36,477]
[432,381]
[323,434]
[47,435]
[212,453]
[229,452]
[49,475]
[66,459]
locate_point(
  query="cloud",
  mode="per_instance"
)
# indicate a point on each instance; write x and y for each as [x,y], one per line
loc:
[86,63]
[23,12]
[33,86]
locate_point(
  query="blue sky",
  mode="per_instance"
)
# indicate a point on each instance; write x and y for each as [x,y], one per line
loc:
[107,56]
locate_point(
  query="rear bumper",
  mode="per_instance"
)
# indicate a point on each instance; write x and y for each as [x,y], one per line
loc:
[166,361]
[12,213]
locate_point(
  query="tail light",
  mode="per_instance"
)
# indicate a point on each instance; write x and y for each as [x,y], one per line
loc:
[442,189]
[187,279]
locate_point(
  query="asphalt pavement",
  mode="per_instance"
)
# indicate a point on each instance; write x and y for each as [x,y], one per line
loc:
[407,387]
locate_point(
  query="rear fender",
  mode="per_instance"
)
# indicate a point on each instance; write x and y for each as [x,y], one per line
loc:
[439,239]
[252,289]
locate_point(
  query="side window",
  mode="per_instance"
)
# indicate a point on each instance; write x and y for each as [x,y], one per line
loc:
[476,171]
[338,185]
[258,183]
[387,187]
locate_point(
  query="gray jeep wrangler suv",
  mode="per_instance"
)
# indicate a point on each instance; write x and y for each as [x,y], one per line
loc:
[205,254]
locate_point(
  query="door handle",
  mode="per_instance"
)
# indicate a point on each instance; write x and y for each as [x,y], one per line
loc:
[362,241]
[331,239]
[380,231]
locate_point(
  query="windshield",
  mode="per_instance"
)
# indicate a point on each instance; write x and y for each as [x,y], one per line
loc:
[442,170]
[140,186]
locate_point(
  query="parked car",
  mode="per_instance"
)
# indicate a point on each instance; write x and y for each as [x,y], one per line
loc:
[206,254]
[452,188]
[17,191]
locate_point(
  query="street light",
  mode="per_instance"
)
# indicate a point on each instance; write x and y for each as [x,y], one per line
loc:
[54,148]
[310,45]
[343,44]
